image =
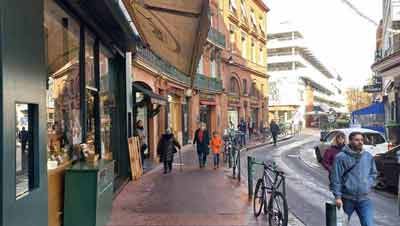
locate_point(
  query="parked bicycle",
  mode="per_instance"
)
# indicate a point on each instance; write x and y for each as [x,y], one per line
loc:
[270,196]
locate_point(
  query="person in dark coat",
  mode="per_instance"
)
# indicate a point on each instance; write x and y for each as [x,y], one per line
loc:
[23,138]
[329,156]
[166,149]
[243,131]
[274,131]
[202,141]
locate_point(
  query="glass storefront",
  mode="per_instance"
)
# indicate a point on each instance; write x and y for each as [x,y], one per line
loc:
[68,124]
[63,95]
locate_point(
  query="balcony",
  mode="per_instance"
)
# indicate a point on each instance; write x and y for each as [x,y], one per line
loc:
[216,38]
[152,60]
[206,83]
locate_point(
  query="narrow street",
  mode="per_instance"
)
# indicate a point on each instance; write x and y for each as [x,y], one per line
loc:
[307,182]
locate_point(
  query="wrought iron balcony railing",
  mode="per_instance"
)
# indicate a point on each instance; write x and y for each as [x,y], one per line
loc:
[204,82]
[157,63]
[200,82]
[216,37]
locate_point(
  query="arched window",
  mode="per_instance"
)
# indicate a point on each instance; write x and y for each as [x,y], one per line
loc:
[234,86]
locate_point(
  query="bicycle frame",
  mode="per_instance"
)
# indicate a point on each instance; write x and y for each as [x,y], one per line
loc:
[277,181]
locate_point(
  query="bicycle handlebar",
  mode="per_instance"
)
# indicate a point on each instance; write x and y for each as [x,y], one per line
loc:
[273,169]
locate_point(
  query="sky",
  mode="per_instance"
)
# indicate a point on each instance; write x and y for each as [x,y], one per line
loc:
[340,38]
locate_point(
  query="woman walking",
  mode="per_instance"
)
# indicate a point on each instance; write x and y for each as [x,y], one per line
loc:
[202,141]
[329,156]
[166,149]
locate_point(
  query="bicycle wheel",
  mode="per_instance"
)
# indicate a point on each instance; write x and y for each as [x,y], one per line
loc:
[278,210]
[258,200]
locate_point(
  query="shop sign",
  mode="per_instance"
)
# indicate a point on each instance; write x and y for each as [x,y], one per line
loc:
[207,98]
[233,101]
[375,88]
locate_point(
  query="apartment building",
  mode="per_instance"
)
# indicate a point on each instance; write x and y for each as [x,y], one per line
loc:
[302,88]
[387,66]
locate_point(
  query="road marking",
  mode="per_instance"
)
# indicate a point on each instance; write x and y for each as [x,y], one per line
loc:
[293,156]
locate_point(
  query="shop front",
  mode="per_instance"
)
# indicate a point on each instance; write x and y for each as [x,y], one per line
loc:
[148,105]
[174,113]
[65,82]
[233,112]
[207,111]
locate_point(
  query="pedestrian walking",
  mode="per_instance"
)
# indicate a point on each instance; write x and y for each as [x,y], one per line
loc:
[243,131]
[329,156]
[274,128]
[23,138]
[353,175]
[141,132]
[166,149]
[202,141]
[216,144]
[336,146]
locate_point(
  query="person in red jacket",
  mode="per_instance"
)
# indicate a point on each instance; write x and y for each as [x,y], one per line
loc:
[329,156]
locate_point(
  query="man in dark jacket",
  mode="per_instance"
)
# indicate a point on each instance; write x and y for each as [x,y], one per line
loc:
[166,149]
[274,131]
[23,138]
[353,175]
[243,131]
[202,141]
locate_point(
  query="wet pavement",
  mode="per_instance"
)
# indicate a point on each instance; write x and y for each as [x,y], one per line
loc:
[192,196]
[307,183]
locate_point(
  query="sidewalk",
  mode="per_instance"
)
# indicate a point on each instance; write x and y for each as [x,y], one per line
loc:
[190,197]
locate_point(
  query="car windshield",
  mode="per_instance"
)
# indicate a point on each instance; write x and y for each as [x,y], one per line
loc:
[373,139]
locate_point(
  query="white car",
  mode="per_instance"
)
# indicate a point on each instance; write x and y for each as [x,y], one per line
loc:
[374,142]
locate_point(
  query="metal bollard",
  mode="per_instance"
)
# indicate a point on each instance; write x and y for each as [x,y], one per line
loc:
[239,166]
[250,171]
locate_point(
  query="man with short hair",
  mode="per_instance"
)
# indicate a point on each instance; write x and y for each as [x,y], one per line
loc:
[353,175]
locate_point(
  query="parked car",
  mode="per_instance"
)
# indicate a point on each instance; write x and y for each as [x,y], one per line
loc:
[374,142]
[388,165]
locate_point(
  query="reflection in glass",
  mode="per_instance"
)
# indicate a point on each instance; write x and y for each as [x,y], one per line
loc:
[106,103]
[63,103]
[23,149]
[89,60]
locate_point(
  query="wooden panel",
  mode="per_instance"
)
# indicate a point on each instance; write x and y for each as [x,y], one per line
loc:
[56,194]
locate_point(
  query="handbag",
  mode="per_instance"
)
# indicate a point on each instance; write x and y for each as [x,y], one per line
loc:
[335,216]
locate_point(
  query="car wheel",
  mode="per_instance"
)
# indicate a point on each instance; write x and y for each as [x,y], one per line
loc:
[381,184]
[318,155]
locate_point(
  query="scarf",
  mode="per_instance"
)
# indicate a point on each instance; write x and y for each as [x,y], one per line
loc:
[201,136]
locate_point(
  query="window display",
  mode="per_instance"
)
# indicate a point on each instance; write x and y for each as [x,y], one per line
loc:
[107,103]
[63,109]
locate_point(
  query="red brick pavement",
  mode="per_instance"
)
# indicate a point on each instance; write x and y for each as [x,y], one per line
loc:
[191,197]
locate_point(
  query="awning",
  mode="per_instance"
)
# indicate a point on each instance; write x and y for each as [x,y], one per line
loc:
[175,30]
[155,98]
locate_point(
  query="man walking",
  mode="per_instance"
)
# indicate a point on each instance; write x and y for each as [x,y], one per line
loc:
[202,141]
[243,132]
[274,130]
[353,175]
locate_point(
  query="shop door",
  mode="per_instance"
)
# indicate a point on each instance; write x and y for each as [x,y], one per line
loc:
[205,115]
[233,119]
[142,116]
[185,123]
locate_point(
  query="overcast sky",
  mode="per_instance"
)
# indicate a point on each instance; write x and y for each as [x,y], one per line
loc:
[339,37]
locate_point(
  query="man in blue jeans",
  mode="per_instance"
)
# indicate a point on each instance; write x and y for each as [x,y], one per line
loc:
[353,175]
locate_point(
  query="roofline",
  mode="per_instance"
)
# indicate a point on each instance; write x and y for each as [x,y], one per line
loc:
[262,5]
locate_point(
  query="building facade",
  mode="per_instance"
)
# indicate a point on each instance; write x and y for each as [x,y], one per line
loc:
[244,62]
[66,84]
[301,87]
[230,83]
[386,67]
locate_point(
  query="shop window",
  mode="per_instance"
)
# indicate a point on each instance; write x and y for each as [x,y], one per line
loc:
[25,148]
[63,102]
[89,60]
[107,103]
